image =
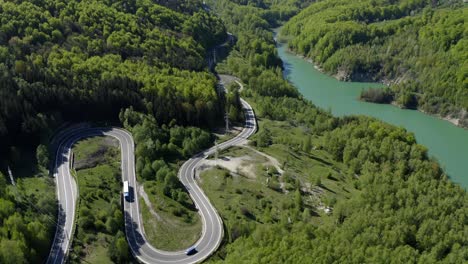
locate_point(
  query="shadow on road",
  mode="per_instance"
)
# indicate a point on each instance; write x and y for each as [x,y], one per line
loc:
[131,194]
[135,239]
[62,139]
[56,253]
[73,135]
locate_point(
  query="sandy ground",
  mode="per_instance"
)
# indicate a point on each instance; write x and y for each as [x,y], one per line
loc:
[272,160]
[239,165]
[244,165]
[226,79]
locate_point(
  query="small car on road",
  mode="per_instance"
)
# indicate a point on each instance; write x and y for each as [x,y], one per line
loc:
[191,251]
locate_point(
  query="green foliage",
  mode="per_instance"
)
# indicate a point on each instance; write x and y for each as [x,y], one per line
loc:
[254,57]
[118,249]
[405,208]
[159,150]
[156,142]
[87,60]
[233,104]
[307,144]
[100,220]
[26,220]
[263,138]
[377,95]
[42,156]
[419,45]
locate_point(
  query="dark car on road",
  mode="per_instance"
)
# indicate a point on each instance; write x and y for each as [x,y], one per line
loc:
[191,251]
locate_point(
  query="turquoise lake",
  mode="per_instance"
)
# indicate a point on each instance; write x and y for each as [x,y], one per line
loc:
[446,142]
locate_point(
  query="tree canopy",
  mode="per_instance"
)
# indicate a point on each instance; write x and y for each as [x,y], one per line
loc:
[405,208]
[87,60]
[418,46]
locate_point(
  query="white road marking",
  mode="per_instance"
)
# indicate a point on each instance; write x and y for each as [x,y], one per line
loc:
[142,250]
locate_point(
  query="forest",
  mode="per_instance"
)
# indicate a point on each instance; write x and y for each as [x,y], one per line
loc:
[26,213]
[142,64]
[254,58]
[86,60]
[418,47]
[73,61]
[405,208]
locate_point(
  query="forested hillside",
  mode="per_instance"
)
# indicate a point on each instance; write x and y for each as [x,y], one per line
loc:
[68,61]
[142,63]
[419,47]
[86,60]
[403,208]
[254,58]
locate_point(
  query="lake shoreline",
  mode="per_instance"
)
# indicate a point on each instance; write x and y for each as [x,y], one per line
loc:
[340,77]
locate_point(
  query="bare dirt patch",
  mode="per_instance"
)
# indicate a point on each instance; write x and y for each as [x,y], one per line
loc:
[247,164]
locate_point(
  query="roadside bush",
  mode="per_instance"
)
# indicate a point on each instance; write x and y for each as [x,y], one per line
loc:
[263,138]
[111,225]
[118,249]
[99,226]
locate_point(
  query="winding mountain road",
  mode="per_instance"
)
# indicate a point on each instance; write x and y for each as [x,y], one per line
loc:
[67,194]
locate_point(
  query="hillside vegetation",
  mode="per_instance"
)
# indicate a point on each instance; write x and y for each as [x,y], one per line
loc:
[142,63]
[400,206]
[86,60]
[27,217]
[419,47]
[67,61]
[99,235]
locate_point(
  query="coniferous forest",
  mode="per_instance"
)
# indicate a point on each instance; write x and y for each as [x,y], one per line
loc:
[74,61]
[86,60]
[142,64]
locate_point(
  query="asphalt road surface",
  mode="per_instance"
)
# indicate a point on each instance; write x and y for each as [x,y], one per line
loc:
[67,194]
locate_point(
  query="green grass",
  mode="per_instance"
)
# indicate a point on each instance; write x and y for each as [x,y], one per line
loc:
[87,147]
[230,193]
[307,166]
[99,215]
[172,232]
[98,254]
[267,199]
[34,194]
[235,152]
[37,186]
[220,138]
[245,203]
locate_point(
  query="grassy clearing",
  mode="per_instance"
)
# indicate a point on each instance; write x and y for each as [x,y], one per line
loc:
[313,166]
[38,186]
[246,203]
[242,199]
[220,138]
[98,254]
[311,181]
[100,220]
[33,182]
[234,152]
[179,226]
[86,148]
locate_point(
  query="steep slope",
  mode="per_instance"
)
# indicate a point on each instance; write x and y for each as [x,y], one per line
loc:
[76,60]
[390,202]
[65,61]
[418,47]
